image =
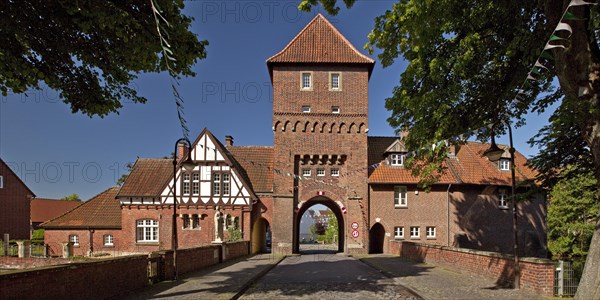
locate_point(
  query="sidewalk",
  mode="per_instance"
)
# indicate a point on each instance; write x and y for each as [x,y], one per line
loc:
[433,282]
[222,281]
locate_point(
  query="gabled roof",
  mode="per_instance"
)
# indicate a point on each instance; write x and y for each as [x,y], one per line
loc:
[257,164]
[320,42]
[468,166]
[101,212]
[237,168]
[147,177]
[43,210]
[8,169]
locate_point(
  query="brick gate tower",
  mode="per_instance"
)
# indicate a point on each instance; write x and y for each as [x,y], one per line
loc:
[320,123]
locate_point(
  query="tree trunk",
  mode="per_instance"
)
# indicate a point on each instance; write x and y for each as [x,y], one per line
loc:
[578,71]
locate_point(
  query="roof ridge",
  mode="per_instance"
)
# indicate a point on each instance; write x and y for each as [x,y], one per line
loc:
[335,30]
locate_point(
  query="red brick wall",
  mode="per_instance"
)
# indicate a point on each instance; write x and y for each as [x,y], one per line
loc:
[193,259]
[54,239]
[110,278]
[15,206]
[472,212]
[237,249]
[537,274]
[294,139]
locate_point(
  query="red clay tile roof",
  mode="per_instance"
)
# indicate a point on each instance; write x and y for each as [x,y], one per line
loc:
[100,212]
[257,164]
[147,178]
[469,166]
[320,42]
[474,168]
[43,210]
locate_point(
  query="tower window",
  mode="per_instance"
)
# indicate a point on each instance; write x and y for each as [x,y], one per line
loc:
[306,81]
[306,108]
[335,109]
[335,81]
[335,172]
[306,172]
[320,172]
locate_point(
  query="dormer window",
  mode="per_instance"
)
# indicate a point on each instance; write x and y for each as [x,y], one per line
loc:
[504,164]
[397,159]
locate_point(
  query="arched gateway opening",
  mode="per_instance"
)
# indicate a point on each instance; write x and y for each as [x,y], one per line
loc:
[261,236]
[376,238]
[337,212]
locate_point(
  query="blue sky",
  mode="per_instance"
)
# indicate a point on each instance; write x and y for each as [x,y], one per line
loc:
[58,153]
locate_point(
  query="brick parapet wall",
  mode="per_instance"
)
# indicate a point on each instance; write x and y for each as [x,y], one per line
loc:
[537,274]
[102,279]
[107,278]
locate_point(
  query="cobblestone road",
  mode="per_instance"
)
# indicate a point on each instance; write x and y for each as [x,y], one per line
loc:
[325,276]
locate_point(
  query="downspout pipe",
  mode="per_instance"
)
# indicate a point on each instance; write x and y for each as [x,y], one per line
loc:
[448,212]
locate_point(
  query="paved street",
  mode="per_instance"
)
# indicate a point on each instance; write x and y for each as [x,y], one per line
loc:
[325,275]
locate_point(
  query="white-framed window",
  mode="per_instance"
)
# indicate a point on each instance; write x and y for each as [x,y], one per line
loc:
[335,172]
[306,81]
[415,232]
[430,231]
[221,184]
[185,185]
[398,232]
[397,159]
[335,81]
[147,230]
[73,238]
[109,240]
[1,182]
[306,172]
[504,164]
[400,196]
[335,109]
[305,108]
[320,172]
[196,183]
[502,199]
[226,186]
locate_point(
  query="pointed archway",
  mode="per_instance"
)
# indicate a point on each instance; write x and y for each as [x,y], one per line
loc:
[337,212]
[376,238]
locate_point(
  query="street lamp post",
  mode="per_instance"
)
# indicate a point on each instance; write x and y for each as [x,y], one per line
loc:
[494,153]
[188,165]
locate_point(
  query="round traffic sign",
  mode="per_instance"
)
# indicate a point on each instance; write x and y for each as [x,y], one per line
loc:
[354,233]
[354,225]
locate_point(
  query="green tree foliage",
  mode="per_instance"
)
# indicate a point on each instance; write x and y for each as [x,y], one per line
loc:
[123,177]
[572,214]
[72,197]
[90,51]
[331,233]
[466,61]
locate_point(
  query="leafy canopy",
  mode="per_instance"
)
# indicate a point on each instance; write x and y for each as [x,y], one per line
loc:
[90,51]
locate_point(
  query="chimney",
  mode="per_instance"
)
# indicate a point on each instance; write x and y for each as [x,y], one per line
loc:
[453,149]
[181,150]
[228,140]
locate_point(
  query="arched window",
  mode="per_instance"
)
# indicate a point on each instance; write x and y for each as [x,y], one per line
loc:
[147,231]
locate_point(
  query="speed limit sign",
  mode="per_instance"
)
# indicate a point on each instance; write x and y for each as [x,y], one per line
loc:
[354,233]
